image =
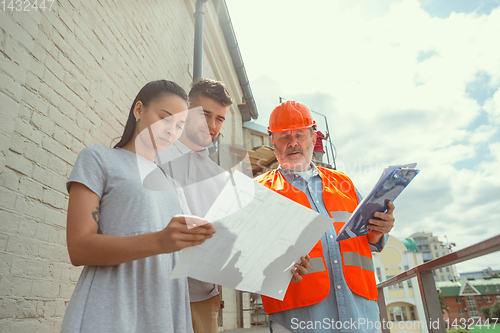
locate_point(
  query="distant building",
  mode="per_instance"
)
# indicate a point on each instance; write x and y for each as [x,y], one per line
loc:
[487,272]
[465,298]
[402,300]
[431,248]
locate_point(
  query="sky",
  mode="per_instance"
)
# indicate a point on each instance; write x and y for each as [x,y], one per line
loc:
[398,81]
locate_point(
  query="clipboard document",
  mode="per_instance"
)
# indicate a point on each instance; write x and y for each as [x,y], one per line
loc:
[392,182]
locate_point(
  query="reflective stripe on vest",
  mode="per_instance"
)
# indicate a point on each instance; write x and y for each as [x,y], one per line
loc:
[340,199]
[316,265]
[355,259]
[340,216]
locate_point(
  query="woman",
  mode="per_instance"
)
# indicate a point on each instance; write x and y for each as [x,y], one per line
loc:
[125,234]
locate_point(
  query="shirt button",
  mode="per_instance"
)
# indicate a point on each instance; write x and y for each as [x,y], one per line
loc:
[338,287]
[317,201]
[331,236]
[335,261]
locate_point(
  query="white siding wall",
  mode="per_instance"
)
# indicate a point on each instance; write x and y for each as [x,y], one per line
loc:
[67,80]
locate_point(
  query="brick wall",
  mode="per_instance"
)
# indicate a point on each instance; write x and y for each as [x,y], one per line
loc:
[67,79]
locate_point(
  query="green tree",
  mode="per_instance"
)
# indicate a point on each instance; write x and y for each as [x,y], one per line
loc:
[457,330]
[490,312]
[485,310]
[495,310]
[441,301]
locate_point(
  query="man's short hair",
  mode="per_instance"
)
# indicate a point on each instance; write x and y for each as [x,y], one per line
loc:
[212,89]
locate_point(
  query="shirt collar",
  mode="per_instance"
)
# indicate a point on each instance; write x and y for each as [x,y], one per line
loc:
[186,150]
[289,175]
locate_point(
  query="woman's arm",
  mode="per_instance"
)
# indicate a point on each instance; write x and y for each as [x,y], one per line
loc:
[87,247]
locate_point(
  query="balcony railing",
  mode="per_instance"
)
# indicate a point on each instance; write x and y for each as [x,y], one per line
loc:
[430,299]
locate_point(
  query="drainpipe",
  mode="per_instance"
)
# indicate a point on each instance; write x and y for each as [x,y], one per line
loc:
[199,16]
[234,50]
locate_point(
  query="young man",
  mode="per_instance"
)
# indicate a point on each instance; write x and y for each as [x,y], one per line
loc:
[345,289]
[188,163]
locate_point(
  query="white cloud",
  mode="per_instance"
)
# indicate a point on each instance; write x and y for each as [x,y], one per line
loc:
[492,107]
[356,61]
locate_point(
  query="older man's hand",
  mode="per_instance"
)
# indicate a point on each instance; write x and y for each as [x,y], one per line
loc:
[300,269]
[382,224]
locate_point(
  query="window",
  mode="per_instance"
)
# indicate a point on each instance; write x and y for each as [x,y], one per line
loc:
[498,298]
[440,270]
[398,313]
[435,247]
[449,277]
[459,300]
[443,253]
[472,306]
[461,311]
[468,290]
[412,313]
[488,299]
[447,269]
[479,299]
[410,285]
[395,286]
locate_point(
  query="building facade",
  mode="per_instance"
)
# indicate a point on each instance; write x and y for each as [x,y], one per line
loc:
[485,273]
[465,298]
[402,300]
[431,248]
[68,77]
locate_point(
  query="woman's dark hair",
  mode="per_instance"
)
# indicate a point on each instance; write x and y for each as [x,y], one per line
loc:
[151,91]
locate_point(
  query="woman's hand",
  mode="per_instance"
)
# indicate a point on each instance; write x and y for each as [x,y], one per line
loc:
[88,247]
[177,236]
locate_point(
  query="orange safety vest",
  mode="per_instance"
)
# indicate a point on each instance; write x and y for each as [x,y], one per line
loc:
[339,195]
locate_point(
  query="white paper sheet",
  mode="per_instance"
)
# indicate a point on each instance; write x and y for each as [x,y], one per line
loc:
[260,235]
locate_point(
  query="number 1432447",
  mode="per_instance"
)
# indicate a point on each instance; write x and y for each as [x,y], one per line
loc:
[26,5]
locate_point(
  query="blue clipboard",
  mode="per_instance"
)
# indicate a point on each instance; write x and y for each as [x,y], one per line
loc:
[392,182]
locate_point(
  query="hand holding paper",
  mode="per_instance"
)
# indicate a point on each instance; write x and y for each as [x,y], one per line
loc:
[260,237]
[392,182]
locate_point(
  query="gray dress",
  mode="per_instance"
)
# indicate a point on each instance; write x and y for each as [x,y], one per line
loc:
[136,296]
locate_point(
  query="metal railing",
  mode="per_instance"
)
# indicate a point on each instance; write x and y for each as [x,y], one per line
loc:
[428,292]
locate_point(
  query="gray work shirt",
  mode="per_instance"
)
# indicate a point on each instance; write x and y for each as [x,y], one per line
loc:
[201,180]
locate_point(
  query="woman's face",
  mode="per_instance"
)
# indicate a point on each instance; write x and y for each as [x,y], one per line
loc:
[160,123]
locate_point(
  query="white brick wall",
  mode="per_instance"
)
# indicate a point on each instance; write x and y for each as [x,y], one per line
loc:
[67,79]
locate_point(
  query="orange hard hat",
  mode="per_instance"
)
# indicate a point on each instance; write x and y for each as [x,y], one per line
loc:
[290,115]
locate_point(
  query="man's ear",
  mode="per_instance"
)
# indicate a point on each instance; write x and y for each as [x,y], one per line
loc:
[314,137]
